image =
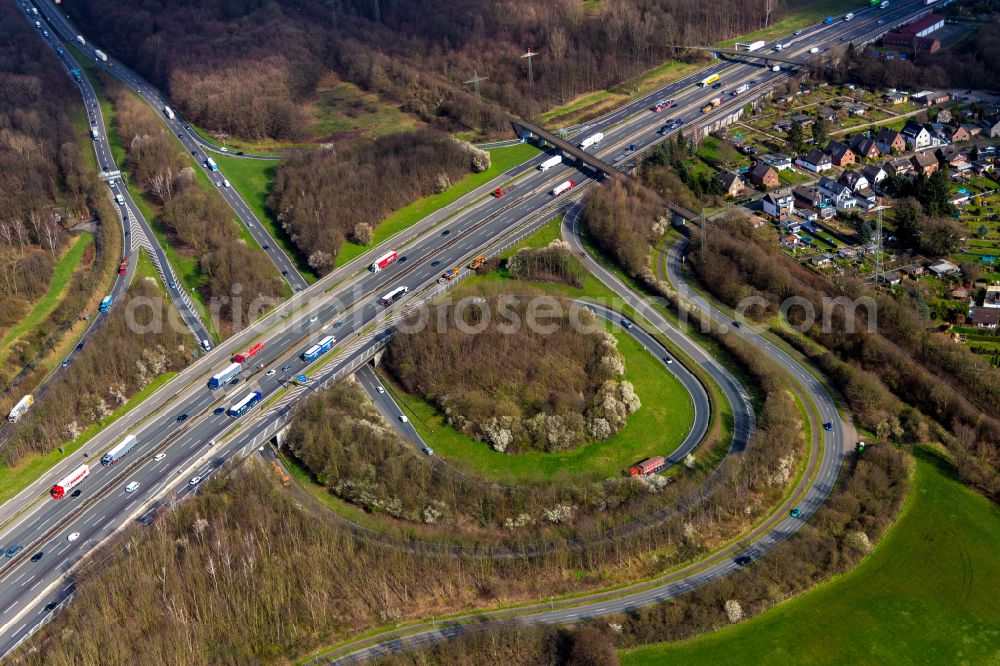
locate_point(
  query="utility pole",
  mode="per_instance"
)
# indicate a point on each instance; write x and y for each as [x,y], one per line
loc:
[529,55]
[879,261]
[377,10]
[475,81]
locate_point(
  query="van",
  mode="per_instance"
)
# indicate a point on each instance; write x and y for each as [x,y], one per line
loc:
[120,199]
[205,345]
[132,487]
[225,183]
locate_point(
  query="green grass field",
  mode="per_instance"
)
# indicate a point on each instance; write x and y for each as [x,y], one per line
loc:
[343,108]
[927,595]
[62,272]
[502,160]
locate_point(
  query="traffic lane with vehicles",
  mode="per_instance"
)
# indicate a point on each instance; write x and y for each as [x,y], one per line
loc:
[388,407]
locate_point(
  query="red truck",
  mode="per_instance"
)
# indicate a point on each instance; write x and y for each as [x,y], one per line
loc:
[383,261]
[250,353]
[72,481]
[123,267]
[648,466]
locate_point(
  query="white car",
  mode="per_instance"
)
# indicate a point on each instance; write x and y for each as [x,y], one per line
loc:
[223,150]
[380,389]
[73,537]
[159,456]
[427,450]
[195,480]
[270,372]
[402,417]
[132,487]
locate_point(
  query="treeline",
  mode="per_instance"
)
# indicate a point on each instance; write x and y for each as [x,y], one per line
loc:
[900,357]
[519,381]
[133,347]
[199,222]
[836,538]
[624,218]
[324,198]
[668,172]
[42,180]
[553,263]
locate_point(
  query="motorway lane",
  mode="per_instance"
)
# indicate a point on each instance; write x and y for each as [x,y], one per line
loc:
[192,143]
[387,406]
[512,212]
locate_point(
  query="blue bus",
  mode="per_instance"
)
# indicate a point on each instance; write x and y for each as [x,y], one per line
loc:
[244,405]
[318,349]
[106,303]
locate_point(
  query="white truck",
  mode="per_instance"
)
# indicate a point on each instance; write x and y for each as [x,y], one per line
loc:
[93,134]
[555,160]
[23,405]
[83,42]
[168,112]
[564,186]
[742,89]
[814,50]
[755,46]
[591,140]
[101,55]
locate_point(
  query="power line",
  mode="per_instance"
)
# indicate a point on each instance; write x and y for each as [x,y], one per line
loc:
[475,81]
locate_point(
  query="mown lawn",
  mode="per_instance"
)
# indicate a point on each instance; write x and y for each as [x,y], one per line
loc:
[927,595]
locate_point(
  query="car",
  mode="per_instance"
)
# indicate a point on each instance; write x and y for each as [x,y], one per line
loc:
[266,246]
[626,324]
[132,487]
[73,537]
[219,410]
[65,363]
[13,550]
[743,560]
[313,319]
[194,481]
[76,493]
[427,450]
[79,346]
[223,150]
[446,232]
[51,606]
[403,419]
[797,33]
[285,273]
[37,556]
[239,152]
[181,418]
[828,426]
[716,86]
[271,373]
[435,263]
[234,381]
[159,456]
[881,21]
[195,153]
[286,368]
[173,285]
[337,325]
[795,513]
[736,324]
[668,360]
[380,389]
[179,136]
[843,39]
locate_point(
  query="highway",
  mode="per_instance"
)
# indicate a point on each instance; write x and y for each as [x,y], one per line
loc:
[448,239]
[188,137]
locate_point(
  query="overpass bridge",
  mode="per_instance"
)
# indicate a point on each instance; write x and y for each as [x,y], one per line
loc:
[768,58]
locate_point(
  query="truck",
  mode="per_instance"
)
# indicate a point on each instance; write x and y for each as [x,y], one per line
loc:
[23,405]
[742,89]
[220,378]
[555,160]
[829,19]
[249,353]
[848,16]
[712,103]
[394,296]
[210,163]
[123,267]
[83,42]
[591,140]
[93,134]
[71,481]
[648,466]
[101,55]
[318,349]
[708,80]
[76,73]
[119,451]
[751,46]
[168,112]
[383,261]
[814,50]
[244,405]
[662,105]
[564,186]
[106,303]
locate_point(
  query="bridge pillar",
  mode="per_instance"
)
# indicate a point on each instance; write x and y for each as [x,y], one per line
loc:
[279,436]
[377,358]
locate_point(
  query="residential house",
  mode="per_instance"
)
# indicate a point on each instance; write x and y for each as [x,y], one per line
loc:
[973,130]
[779,204]
[821,260]
[992,298]
[865,147]
[777,160]
[826,113]
[959,133]
[924,163]
[959,294]
[856,180]
[943,267]
[841,195]
[812,204]
[982,166]
[916,135]
[895,98]
[791,240]
[791,226]
[889,141]
[900,166]
[764,174]
[840,154]
[857,109]
[912,271]
[816,160]
[803,119]
[848,253]
[732,184]
[874,174]
[991,126]
[984,317]
[939,134]
[928,98]
[891,278]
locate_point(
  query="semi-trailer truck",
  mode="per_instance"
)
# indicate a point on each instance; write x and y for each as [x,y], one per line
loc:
[711,105]
[119,451]
[708,80]
[249,353]
[383,261]
[648,466]
[220,378]
[71,481]
[562,187]
[742,89]
[591,140]
[22,406]
[394,296]
[555,160]
[101,55]
[210,163]
[83,42]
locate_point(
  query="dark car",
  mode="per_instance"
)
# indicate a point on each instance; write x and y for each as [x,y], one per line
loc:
[716,86]
[285,273]
[286,368]
[828,426]
[76,493]
[79,346]
[627,324]
[743,560]
[37,556]
[219,410]
[181,418]
[266,246]
[337,325]
[13,550]
[435,263]
[446,232]
[736,324]
[51,606]
[235,381]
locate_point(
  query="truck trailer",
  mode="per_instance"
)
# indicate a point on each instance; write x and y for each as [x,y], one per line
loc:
[383,261]
[591,140]
[648,466]
[119,451]
[71,481]
[101,55]
[555,160]
[221,378]
[249,353]
[22,406]
[562,187]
